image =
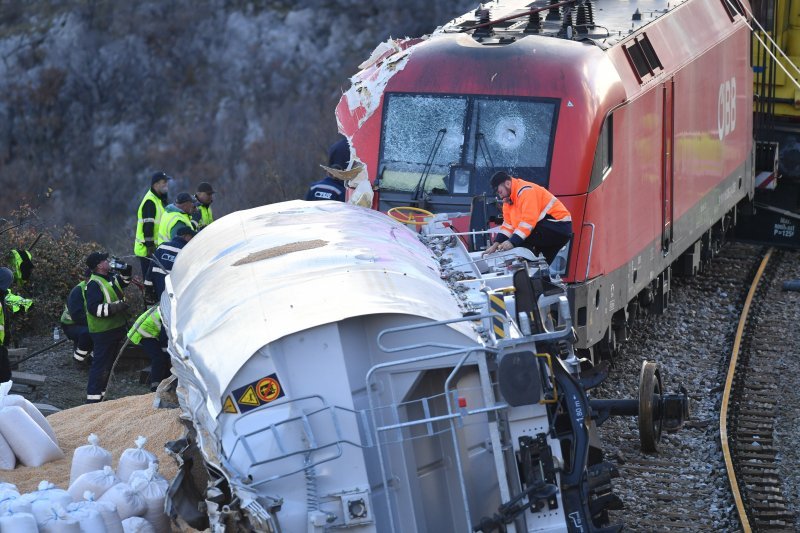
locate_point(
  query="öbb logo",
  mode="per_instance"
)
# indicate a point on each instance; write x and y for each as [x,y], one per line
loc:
[726,108]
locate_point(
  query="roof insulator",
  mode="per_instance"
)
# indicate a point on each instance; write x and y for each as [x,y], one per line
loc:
[590,13]
[482,14]
[534,23]
[637,15]
[552,13]
[581,20]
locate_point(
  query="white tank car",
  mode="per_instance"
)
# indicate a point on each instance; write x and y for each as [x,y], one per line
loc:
[341,370]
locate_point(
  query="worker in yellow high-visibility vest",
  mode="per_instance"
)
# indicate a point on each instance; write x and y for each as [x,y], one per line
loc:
[204,197]
[175,216]
[6,278]
[106,316]
[151,208]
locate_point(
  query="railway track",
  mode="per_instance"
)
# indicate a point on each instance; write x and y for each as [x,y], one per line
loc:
[683,487]
[754,396]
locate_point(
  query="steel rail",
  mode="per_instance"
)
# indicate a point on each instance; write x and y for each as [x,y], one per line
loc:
[723,413]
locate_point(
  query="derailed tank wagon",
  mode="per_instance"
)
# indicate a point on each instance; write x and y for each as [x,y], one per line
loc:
[340,371]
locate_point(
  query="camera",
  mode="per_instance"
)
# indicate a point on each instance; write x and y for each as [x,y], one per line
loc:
[119,267]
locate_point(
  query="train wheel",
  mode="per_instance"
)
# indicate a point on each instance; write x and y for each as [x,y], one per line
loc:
[650,416]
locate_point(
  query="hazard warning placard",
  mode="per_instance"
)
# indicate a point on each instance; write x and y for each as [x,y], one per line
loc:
[260,392]
[229,406]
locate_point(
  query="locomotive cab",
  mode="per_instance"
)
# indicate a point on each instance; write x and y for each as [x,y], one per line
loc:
[533,107]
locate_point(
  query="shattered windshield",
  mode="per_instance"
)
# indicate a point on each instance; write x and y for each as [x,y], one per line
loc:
[422,138]
[440,144]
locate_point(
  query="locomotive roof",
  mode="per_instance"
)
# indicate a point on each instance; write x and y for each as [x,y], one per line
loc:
[605,22]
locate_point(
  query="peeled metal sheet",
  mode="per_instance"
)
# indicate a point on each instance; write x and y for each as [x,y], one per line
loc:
[255,276]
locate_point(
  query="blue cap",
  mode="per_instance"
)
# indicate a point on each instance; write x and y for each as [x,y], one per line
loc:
[6,278]
[158,176]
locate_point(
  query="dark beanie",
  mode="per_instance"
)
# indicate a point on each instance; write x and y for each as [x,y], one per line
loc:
[498,178]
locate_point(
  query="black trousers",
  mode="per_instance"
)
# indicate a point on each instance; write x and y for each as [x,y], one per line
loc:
[145,263]
[548,237]
[5,365]
[81,340]
[159,359]
[106,346]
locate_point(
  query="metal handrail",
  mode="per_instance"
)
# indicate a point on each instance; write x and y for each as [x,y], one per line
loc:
[591,245]
[313,445]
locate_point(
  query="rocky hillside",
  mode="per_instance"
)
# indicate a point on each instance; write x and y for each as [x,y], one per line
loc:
[97,94]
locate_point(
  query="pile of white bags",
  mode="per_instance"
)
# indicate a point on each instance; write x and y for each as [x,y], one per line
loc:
[97,501]
[25,434]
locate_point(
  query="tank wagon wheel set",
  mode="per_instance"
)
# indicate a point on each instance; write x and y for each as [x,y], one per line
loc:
[393,377]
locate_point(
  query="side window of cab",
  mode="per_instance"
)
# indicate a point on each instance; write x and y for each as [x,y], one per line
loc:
[603,154]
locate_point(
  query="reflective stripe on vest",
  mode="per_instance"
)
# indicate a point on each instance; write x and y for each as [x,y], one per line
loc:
[168,221]
[139,248]
[100,324]
[531,204]
[66,317]
[2,326]
[147,326]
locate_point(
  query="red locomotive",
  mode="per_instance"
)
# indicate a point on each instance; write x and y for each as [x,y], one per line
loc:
[637,115]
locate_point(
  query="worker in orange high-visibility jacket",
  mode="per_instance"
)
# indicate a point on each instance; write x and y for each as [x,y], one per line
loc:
[532,217]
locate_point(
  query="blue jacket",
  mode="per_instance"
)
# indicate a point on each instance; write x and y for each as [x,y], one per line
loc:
[75,305]
[164,260]
[326,189]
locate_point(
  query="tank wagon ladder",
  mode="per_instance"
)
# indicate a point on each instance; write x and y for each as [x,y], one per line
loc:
[454,417]
[451,417]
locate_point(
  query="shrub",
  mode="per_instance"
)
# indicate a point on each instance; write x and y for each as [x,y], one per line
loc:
[59,264]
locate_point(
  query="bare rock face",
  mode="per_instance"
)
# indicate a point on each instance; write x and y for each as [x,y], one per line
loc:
[94,97]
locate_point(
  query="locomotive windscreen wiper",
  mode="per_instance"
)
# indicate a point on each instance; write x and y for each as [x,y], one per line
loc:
[483,146]
[419,190]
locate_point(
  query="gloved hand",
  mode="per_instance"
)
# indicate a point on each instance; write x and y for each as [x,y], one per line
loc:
[117,307]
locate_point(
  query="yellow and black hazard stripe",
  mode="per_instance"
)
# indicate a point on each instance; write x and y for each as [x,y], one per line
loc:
[497,305]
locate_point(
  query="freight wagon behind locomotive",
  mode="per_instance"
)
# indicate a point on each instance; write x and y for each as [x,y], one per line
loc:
[637,115]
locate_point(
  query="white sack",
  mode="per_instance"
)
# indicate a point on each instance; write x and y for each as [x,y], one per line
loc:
[89,519]
[107,510]
[8,461]
[47,495]
[31,445]
[15,505]
[134,459]
[88,458]
[18,523]
[7,400]
[153,489]
[137,525]
[129,502]
[96,482]
[57,521]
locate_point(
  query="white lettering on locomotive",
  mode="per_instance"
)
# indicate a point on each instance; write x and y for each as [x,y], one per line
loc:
[726,108]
